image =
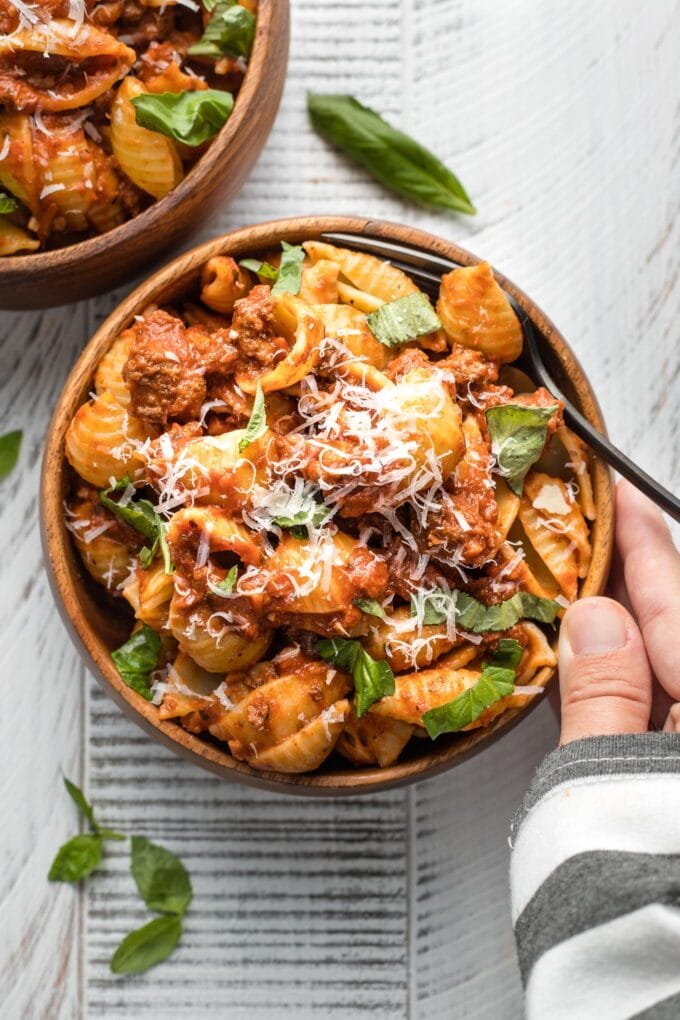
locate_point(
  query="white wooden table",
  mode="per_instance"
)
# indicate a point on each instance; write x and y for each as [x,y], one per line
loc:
[563,121]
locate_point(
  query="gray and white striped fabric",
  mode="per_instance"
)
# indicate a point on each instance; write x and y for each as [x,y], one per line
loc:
[595,878]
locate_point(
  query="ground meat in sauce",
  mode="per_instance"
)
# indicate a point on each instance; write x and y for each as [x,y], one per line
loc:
[254,330]
[468,366]
[407,361]
[164,371]
[88,506]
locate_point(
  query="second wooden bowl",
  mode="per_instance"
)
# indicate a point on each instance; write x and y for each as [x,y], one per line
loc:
[97,631]
[100,263]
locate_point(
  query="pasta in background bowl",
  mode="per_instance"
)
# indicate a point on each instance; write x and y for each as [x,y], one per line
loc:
[122,125]
[323,525]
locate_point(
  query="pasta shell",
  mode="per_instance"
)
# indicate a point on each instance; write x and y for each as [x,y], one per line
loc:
[307,749]
[367,274]
[295,322]
[109,373]
[475,312]
[556,529]
[402,644]
[19,171]
[149,595]
[373,740]
[223,282]
[417,693]
[103,441]
[319,284]
[14,239]
[148,158]
[349,345]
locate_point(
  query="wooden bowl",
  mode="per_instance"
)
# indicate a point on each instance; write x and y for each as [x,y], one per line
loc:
[88,614]
[97,265]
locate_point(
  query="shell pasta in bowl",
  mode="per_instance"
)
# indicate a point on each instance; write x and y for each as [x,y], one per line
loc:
[315,527]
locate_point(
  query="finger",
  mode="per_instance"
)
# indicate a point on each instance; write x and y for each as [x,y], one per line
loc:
[672,724]
[605,680]
[652,573]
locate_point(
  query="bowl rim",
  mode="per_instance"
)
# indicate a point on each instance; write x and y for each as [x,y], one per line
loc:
[272,14]
[66,577]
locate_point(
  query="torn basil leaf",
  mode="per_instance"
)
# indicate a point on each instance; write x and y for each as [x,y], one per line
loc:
[508,654]
[143,517]
[370,606]
[230,32]
[392,157]
[8,203]
[474,616]
[10,444]
[494,683]
[289,278]
[373,678]
[190,117]
[407,318]
[147,946]
[263,269]
[257,424]
[226,586]
[518,435]
[137,659]
[76,859]
[310,515]
[161,878]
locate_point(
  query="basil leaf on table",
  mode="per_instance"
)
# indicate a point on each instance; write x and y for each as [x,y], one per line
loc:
[392,157]
[263,269]
[10,444]
[8,203]
[147,946]
[190,117]
[371,607]
[518,435]
[143,517]
[86,809]
[474,616]
[137,658]
[77,858]
[161,878]
[230,32]
[495,682]
[373,678]
[257,424]
[397,322]
[289,278]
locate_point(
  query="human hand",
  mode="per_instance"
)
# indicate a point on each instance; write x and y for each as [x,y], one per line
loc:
[614,662]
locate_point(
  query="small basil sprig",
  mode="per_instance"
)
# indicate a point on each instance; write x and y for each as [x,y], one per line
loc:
[190,117]
[165,887]
[474,616]
[230,32]
[289,279]
[496,681]
[397,322]
[518,435]
[226,585]
[310,515]
[373,678]
[371,607]
[395,159]
[137,659]
[257,424]
[8,203]
[10,444]
[263,269]
[143,517]
[78,858]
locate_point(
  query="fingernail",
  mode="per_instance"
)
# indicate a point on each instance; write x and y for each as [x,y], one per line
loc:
[595,627]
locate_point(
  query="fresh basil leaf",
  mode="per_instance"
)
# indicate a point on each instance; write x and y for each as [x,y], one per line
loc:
[395,159]
[476,617]
[161,878]
[78,798]
[137,658]
[230,32]
[188,117]
[397,322]
[263,269]
[143,517]
[226,586]
[8,203]
[371,607]
[147,946]
[518,435]
[373,678]
[508,654]
[289,279]
[76,859]
[10,444]
[310,515]
[493,684]
[110,834]
[257,424]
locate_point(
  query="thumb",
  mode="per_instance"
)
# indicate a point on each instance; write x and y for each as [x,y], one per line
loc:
[605,679]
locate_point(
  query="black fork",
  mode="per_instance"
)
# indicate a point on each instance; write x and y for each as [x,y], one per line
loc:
[427,270]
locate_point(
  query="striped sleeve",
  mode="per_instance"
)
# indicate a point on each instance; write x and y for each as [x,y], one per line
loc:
[595,880]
